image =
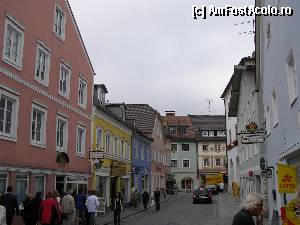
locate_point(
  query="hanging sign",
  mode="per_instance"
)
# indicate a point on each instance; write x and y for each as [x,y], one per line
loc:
[287,179]
[252,134]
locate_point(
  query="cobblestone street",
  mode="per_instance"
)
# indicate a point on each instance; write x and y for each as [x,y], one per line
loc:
[181,211]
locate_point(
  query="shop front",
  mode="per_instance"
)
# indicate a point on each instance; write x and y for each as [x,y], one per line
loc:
[73,183]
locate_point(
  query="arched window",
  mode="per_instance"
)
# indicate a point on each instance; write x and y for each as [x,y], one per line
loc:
[107,143]
[99,136]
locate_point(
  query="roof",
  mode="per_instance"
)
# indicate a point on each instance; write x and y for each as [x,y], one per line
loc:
[208,122]
[242,62]
[80,37]
[143,116]
[179,121]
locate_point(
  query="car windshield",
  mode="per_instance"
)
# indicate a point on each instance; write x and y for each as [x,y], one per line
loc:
[201,191]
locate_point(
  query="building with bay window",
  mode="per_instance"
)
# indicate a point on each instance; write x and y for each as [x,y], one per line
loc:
[45,105]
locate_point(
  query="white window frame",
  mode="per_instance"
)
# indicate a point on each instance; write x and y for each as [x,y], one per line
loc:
[205,150]
[184,128]
[174,163]
[6,180]
[183,163]
[99,140]
[142,152]
[173,129]
[211,133]
[63,25]
[27,181]
[216,162]
[82,83]
[46,52]
[68,79]
[182,147]
[116,146]
[9,21]
[44,179]
[64,119]
[205,133]
[207,161]
[80,153]
[42,142]
[291,77]
[12,136]
[107,142]
[174,144]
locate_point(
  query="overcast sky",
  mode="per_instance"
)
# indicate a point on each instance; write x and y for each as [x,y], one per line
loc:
[154,52]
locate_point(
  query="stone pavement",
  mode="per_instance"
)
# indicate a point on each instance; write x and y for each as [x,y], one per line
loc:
[108,218]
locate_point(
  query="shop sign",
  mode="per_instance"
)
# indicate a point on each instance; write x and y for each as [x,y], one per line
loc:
[214,179]
[96,154]
[119,171]
[290,214]
[287,179]
[252,138]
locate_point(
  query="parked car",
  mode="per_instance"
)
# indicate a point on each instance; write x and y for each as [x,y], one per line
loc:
[212,189]
[202,195]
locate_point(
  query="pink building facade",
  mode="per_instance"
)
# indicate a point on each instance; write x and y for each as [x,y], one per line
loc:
[46,85]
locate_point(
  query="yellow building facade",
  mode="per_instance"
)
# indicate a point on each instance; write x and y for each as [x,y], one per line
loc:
[112,136]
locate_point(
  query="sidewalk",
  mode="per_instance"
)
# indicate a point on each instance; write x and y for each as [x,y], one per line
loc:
[108,218]
[227,207]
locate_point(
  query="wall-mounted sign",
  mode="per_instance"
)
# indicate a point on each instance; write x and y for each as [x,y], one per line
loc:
[287,179]
[252,138]
[96,155]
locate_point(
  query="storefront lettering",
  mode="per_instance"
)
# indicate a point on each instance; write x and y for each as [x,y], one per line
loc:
[287,185]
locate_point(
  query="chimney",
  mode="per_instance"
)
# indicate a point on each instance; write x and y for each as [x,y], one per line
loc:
[170,113]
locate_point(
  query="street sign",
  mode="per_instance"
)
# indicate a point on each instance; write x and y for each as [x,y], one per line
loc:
[252,138]
[96,155]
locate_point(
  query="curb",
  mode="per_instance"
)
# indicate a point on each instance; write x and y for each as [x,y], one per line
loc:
[132,214]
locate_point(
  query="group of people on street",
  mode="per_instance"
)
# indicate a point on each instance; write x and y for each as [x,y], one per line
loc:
[53,210]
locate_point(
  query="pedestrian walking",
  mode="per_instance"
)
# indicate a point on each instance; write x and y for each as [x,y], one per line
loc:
[56,197]
[9,201]
[118,207]
[80,205]
[145,197]
[35,207]
[251,206]
[157,199]
[92,203]
[2,215]
[26,212]
[49,212]
[68,209]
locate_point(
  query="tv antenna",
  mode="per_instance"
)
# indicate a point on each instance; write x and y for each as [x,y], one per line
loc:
[209,100]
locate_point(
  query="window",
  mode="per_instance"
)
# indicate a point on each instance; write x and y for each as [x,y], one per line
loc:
[173,147]
[185,163]
[116,146]
[217,148]
[38,126]
[3,183]
[142,152]
[173,130]
[174,163]
[205,133]
[221,133]
[82,93]
[101,96]
[268,120]
[291,77]
[136,146]
[21,187]
[184,129]
[205,162]
[211,133]
[99,137]
[80,140]
[61,134]
[42,65]
[218,162]
[40,184]
[8,115]
[205,147]
[107,143]
[274,108]
[64,80]
[59,23]
[13,43]
[185,147]
[122,149]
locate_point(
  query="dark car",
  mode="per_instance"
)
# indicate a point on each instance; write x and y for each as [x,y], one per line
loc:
[212,189]
[202,195]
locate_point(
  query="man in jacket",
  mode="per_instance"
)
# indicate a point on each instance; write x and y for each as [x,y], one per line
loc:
[9,201]
[92,203]
[68,208]
[157,199]
[145,197]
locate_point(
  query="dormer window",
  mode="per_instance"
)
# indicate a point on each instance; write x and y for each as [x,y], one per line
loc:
[101,96]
